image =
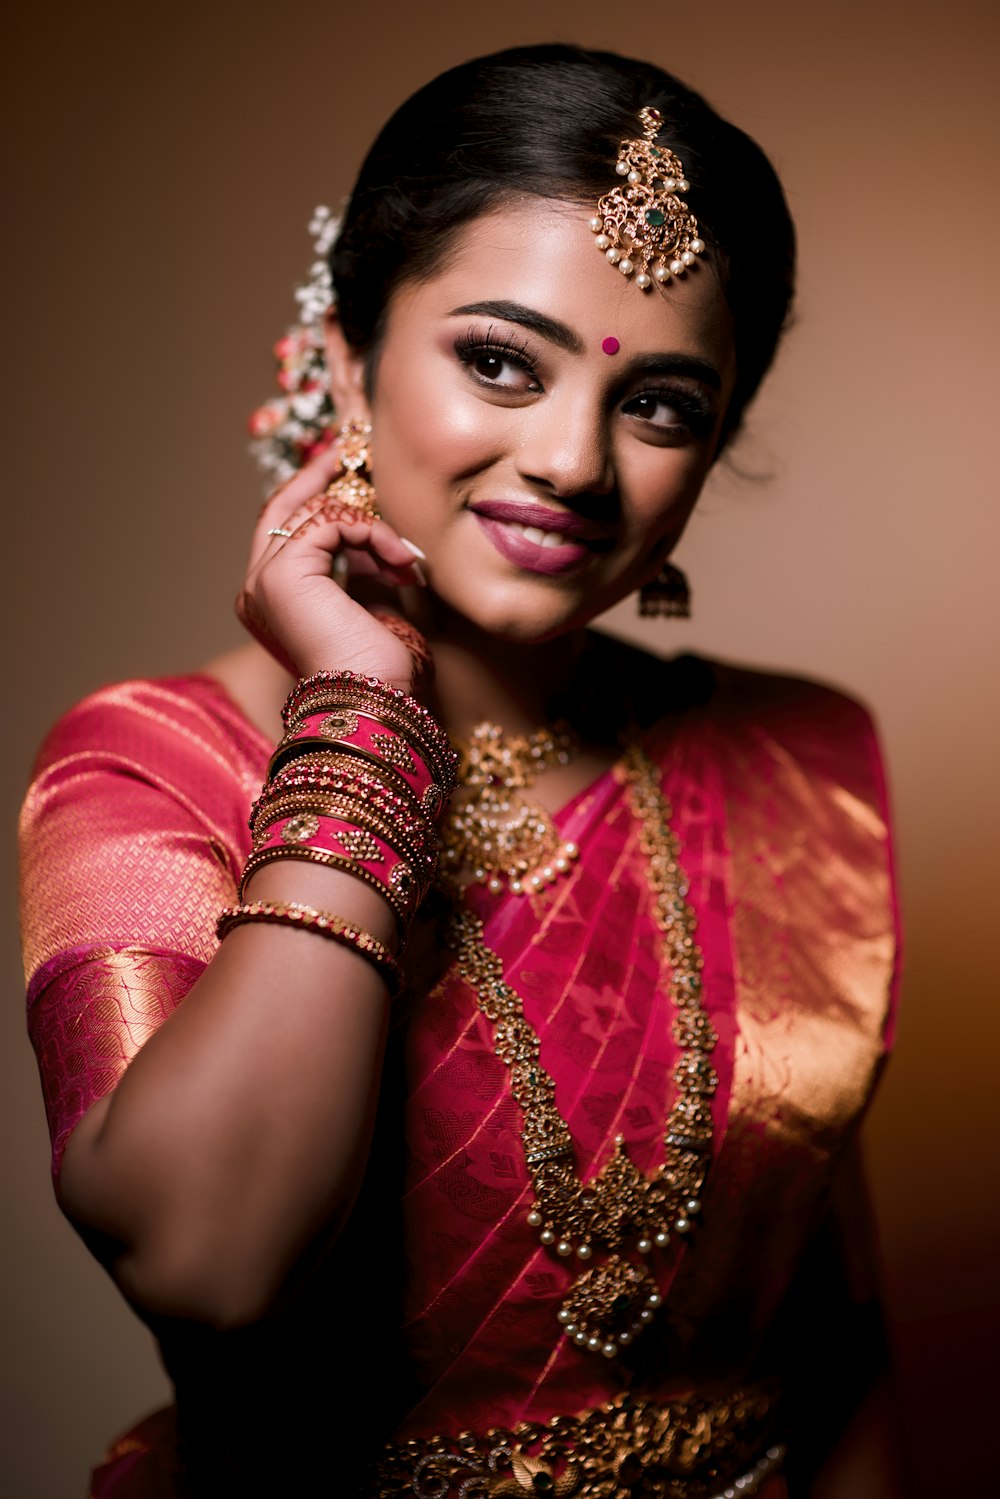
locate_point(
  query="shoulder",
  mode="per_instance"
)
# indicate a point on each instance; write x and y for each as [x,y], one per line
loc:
[159,727]
[755,725]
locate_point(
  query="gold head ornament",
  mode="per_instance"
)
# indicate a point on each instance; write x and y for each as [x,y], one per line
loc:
[643,227]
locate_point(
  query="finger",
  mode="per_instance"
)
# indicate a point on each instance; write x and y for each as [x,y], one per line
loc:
[374,537]
[310,482]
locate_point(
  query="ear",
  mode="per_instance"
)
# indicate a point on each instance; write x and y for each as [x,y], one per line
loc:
[347,374]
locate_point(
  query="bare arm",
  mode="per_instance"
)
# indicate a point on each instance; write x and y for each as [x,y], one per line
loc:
[240,1132]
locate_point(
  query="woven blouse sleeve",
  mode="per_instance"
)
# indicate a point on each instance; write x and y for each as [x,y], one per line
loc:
[132,837]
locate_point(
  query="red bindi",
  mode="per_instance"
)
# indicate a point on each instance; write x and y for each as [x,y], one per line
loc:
[610,345]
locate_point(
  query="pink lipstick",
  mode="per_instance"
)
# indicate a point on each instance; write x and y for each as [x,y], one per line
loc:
[538,539]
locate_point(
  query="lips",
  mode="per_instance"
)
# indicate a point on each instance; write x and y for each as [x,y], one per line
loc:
[537,539]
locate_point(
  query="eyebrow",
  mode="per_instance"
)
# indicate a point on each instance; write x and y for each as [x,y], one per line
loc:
[536,322]
[564,338]
[679,364]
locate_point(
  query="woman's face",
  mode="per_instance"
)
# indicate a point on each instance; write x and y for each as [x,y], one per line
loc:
[544,477]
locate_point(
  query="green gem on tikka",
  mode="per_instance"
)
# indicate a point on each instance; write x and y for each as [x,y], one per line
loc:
[655,217]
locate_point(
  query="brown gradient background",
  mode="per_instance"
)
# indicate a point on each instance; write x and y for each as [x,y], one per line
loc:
[167,160]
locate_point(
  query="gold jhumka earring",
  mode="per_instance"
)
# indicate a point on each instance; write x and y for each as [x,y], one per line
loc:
[351,488]
[667,596]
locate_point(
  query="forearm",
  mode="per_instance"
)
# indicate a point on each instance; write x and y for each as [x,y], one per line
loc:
[240,1132]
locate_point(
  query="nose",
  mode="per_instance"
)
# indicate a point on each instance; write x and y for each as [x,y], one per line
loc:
[565,447]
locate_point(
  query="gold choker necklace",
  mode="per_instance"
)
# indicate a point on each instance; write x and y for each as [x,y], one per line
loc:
[491,834]
[619,1210]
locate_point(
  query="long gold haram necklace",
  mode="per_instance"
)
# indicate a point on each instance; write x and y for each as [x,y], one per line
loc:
[620,1210]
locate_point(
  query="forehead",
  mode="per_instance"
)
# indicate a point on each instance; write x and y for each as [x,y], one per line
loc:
[541,254]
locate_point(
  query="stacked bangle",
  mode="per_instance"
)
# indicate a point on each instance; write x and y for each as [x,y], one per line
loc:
[356,698]
[357,784]
[324,923]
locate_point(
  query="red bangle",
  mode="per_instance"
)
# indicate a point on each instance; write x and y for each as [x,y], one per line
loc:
[367,738]
[363,848]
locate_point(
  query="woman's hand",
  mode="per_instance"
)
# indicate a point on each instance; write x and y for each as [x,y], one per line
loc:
[290,602]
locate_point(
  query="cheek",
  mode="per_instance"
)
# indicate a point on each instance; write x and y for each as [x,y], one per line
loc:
[664,493]
[437,433]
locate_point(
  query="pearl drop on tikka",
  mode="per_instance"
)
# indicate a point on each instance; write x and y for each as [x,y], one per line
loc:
[535,1219]
[564,1248]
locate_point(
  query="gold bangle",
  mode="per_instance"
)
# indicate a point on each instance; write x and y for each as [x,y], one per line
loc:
[324,923]
[419,850]
[402,909]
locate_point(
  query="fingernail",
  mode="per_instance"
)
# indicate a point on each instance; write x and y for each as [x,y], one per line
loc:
[411,546]
[418,572]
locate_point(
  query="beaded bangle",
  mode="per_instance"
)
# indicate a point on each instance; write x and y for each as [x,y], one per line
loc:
[334,928]
[348,775]
[327,691]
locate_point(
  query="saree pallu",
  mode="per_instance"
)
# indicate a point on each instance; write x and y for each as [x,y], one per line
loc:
[134,835]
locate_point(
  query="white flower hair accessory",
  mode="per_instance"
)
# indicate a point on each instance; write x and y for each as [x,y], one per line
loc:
[290,428]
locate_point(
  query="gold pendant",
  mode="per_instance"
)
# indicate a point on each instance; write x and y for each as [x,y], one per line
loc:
[608,1307]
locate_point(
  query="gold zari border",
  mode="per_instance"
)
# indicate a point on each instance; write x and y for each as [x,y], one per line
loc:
[687,1449]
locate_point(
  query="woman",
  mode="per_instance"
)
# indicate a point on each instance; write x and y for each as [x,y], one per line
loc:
[540,1201]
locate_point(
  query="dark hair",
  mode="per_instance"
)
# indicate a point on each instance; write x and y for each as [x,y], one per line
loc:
[547,121]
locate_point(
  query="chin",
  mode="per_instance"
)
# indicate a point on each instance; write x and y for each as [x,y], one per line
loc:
[527,616]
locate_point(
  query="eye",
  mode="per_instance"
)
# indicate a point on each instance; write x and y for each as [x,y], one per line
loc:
[497,364]
[672,413]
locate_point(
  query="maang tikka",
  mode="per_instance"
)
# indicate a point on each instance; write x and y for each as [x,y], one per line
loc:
[643,227]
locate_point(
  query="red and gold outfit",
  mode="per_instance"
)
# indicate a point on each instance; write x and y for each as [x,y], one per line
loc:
[134,836]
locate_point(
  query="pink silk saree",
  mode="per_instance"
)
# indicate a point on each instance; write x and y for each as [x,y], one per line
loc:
[133,837]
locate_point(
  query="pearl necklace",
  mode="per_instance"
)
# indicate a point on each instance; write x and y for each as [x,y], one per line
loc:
[619,1209]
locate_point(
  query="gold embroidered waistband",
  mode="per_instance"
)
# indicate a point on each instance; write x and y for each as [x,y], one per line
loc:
[627,1449]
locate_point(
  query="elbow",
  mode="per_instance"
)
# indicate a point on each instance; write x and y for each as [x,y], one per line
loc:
[208,1289]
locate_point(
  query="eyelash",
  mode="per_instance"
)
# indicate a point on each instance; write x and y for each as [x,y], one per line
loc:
[474,343]
[693,407]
